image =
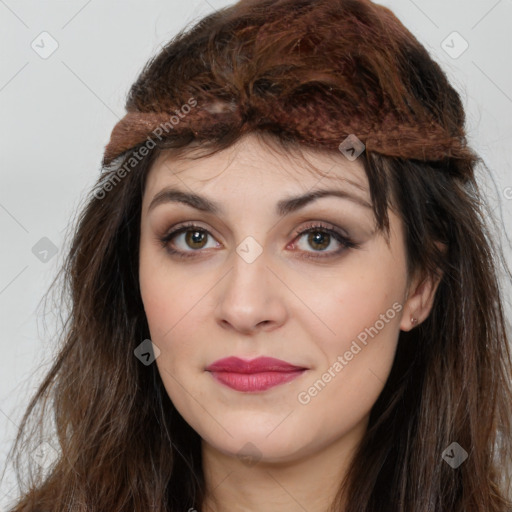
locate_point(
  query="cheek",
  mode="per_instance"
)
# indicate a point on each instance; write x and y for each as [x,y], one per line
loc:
[361,299]
[356,361]
[157,299]
[162,290]
[363,305]
[159,294]
[173,299]
[362,313]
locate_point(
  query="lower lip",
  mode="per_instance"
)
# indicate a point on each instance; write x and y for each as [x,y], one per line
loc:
[255,381]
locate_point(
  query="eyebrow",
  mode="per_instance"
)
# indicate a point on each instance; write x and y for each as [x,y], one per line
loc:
[283,207]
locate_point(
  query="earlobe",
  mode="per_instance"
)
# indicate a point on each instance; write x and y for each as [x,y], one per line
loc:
[419,301]
[420,295]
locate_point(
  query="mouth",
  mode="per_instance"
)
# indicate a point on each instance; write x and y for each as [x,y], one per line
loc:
[254,375]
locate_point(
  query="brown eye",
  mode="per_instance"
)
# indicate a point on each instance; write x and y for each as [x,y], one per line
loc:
[319,240]
[187,240]
[195,239]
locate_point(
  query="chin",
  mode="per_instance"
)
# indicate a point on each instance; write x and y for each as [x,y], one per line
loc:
[258,446]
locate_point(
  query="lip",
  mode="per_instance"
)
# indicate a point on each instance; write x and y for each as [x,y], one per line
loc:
[258,365]
[253,375]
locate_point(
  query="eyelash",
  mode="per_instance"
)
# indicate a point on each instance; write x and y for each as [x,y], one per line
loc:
[345,242]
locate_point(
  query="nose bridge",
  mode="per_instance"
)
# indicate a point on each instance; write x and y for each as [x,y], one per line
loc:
[249,260]
[248,278]
[248,298]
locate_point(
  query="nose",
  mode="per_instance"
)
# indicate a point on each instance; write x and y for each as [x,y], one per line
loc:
[251,298]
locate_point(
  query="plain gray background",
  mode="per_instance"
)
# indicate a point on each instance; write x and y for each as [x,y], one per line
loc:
[57,112]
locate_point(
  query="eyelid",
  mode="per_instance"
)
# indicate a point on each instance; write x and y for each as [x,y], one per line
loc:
[337,233]
[181,227]
[343,239]
[321,225]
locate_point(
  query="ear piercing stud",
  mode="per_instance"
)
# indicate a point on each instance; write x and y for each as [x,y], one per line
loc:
[414,321]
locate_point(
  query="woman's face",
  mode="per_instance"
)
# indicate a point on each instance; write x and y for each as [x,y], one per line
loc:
[245,283]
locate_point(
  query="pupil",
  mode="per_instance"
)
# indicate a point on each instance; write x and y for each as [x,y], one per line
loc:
[317,237]
[195,237]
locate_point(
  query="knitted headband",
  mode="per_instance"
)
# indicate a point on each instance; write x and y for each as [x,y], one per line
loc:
[312,71]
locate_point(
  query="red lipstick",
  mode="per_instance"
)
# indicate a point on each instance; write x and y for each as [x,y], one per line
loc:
[255,375]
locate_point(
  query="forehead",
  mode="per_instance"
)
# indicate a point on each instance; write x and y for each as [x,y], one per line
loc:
[252,162]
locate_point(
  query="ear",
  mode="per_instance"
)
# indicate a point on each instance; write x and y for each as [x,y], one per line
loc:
[419,299]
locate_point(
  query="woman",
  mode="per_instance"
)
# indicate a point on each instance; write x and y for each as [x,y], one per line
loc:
[284,291]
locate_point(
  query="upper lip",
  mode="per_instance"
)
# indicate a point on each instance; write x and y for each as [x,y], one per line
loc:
[260,364]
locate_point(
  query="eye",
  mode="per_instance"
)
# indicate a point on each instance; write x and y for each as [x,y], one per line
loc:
[191,238]
[320,237]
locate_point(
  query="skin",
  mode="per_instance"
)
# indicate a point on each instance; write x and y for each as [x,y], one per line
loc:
[267,450]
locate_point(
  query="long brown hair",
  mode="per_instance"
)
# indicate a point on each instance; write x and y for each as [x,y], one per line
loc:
[302,73]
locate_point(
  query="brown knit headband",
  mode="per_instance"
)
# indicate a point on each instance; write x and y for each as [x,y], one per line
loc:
[428,141]
[270,68]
